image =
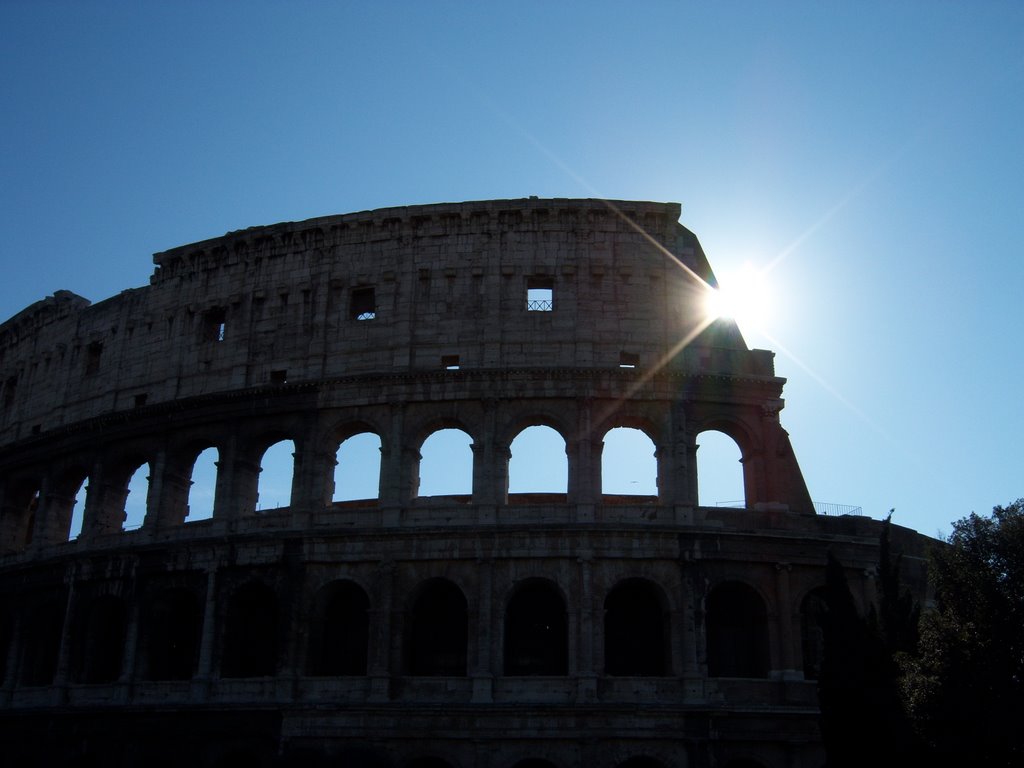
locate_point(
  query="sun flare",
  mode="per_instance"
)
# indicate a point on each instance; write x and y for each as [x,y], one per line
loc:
[744,295]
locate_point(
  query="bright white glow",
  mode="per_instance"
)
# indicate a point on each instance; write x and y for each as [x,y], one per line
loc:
[744,295]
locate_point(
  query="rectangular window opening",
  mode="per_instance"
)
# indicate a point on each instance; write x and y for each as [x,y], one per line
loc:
[540,294]
[214,324]
[364,304]
[93,353]
[628,360]
[279,377]
[140,400]
[450,362]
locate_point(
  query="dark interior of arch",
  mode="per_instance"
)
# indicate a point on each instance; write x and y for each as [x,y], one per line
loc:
[250,634]
[634,631]
[171,635]
[439,631]
[536,632]
[44,622]
[99,646]
[341,631]
[737,632]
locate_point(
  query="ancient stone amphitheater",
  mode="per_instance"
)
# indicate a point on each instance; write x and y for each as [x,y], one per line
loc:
[479,629]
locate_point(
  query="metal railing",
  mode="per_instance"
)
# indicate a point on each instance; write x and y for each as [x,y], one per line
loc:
[820,507]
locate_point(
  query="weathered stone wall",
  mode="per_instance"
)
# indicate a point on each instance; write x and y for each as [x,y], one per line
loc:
[401,322]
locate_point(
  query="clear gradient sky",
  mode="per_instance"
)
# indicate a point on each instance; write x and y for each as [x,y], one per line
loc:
[866,157]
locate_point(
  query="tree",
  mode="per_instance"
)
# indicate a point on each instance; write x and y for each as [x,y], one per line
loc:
[965,688]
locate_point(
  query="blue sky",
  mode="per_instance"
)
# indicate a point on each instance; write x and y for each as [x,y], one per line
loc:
[866,156]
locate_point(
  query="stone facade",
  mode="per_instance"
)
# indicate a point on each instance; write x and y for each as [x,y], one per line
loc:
[488,629]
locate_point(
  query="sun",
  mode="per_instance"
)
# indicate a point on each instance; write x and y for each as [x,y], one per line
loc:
[744,295]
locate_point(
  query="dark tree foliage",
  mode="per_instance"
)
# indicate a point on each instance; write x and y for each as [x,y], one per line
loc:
[862,715]
[965,689]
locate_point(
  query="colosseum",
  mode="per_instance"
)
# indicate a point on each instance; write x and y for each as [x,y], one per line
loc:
[483,629]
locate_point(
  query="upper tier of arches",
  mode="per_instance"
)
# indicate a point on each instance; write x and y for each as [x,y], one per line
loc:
[533,451]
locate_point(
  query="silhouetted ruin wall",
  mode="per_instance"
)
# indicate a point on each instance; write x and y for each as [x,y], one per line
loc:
[483,629]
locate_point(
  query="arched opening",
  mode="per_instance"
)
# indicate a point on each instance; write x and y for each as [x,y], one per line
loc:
[18,516]
[341,630]
[135,501]
[629,466]
[202,490]
[357,468]
[277,467]
[635,636]
[42,625]
[100,637]
[536,631]
[719,471]
[737,632]
[170,639]
[72,509]
[812,636]
[538,464]
[439,626]
[446,464]
[251,633]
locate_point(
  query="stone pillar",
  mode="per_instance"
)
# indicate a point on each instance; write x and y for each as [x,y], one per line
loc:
[170,491]
[96,516]
[584,459]
[15,518]
[784,623]
[207,641]
[394,484]
[238,474]
[675,458]
[380,665]
[584,667]
[693,489]
[490,483]
[689,636]
[482,670]
[313,478]
[131,642]
[63,674]
[53,520]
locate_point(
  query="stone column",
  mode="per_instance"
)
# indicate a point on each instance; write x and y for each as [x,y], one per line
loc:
[53,520]
[394,485]
[482,670]
[62,676]
[170,489]
[313,478]
[380,666]
[490,466]
[688,635]
[207,651]
[584,657]
[238,474]
[126,681]
[784,623]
